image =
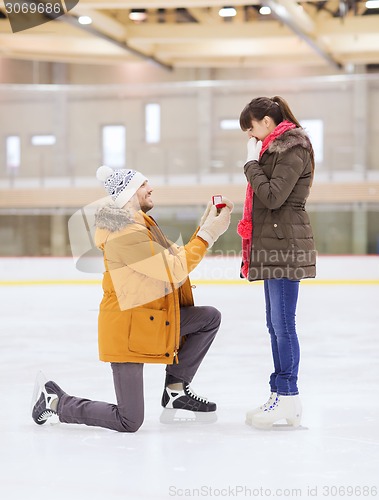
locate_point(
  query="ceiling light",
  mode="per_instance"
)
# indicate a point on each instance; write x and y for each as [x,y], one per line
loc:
[227,12]
[265,11]
[138,15]
[372,4]
[85,20]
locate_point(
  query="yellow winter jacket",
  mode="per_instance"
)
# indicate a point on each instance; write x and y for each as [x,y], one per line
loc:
[145,283]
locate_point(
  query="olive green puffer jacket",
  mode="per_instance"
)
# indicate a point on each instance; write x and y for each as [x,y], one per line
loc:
[282,242]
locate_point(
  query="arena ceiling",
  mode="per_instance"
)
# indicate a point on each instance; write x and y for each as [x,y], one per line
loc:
[191,33]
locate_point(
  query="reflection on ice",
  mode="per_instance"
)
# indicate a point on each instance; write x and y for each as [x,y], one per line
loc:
[174,416]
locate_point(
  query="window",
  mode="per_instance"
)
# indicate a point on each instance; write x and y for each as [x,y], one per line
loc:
[152,123]
[315,130]
[43,140]
[114,146]
[230,124]
[13,152]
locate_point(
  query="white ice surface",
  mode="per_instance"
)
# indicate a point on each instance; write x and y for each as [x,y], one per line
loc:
[53,328]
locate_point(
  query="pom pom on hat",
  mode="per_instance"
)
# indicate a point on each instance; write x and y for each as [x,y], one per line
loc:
[121,184]
[103,173]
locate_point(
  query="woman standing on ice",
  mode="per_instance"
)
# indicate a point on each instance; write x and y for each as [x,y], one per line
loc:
[277,240]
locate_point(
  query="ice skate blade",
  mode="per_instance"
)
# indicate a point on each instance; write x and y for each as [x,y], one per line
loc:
[288,427]
[277,427]
[173,416]
[38,384]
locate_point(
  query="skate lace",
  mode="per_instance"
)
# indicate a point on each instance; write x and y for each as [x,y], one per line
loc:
[195,396]
[46,414]
[273,405]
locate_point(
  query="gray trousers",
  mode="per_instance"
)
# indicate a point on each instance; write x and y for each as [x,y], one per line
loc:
[198,324]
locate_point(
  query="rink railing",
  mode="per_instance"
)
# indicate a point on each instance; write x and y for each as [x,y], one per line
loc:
[331,270]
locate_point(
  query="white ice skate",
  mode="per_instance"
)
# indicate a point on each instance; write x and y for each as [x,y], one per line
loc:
[284,408]
[270,402]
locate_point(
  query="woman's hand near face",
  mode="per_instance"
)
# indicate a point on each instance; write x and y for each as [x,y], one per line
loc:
[253,149]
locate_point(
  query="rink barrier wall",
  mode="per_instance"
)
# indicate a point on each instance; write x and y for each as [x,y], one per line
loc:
[46,271]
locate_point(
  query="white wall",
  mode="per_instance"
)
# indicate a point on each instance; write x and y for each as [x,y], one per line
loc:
[191,140]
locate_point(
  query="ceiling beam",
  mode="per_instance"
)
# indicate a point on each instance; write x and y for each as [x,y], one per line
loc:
[194,33]
[102,22]
[352,25]
[294,17]
[121,44]
[161,4]
[204,16]
[164,4]
[295,35]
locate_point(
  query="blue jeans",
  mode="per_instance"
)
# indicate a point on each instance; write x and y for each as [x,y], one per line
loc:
[281,300]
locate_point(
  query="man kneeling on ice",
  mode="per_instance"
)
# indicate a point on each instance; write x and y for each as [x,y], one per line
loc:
[147,314]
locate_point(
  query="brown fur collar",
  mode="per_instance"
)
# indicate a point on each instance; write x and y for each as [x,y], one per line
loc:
[290,139]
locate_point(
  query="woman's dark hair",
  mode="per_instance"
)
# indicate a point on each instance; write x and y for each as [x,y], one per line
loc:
[276,108]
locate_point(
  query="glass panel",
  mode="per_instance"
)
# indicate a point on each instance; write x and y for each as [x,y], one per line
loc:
[230,124]
[152,123]
[315,129]
[13,152]
[114,146]
[43,140]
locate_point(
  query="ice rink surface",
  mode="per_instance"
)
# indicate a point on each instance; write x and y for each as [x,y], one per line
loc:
[52,327]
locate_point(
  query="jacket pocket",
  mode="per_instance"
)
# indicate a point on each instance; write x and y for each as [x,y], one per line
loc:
[147,333]
[278,231]
[277,226]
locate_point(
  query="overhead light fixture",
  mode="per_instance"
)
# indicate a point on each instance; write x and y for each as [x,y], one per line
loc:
[372,4]
[227,12]
[84,20]
[138,15]
[265,11]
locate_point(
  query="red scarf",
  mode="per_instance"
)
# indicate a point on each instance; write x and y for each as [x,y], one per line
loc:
[245,225]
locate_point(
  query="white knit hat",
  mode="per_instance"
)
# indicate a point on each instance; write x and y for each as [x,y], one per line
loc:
[121,184]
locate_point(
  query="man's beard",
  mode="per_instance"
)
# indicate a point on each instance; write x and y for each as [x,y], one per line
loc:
[145,208]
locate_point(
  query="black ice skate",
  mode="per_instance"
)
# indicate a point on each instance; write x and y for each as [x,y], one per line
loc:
[186,399]
[47,395]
